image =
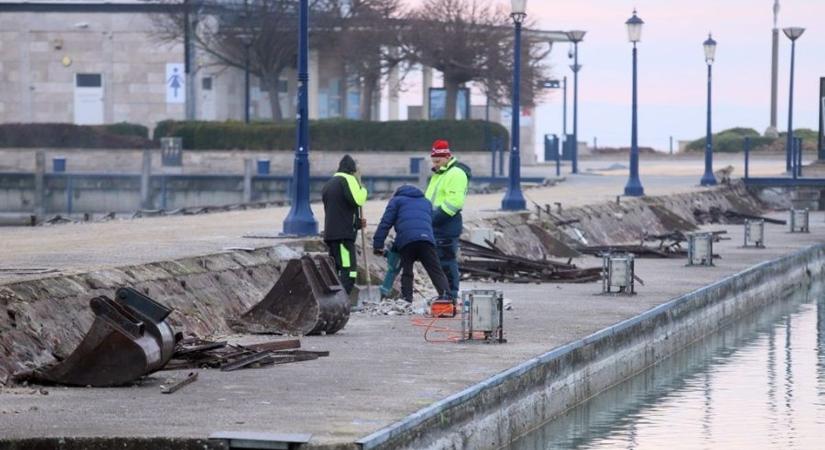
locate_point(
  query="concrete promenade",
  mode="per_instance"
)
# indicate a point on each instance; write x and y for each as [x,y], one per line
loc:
[380,369]
[73,248]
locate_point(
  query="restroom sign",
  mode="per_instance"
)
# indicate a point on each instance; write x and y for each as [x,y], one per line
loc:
[175,83]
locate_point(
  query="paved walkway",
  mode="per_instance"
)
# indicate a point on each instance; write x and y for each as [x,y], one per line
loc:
[81,247]
[380,368]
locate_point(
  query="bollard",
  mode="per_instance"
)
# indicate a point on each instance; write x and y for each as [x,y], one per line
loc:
[263,166]
[59,164]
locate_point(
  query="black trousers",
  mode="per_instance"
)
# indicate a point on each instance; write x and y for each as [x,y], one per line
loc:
[343,252]
[423,252]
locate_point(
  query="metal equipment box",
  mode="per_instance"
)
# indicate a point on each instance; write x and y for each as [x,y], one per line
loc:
[700,249]
[482,315]
[800,220]
[755,233]
[618,273]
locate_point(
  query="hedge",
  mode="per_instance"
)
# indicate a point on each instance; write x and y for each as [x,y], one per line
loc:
[733,140]
[331,135]
[65,135]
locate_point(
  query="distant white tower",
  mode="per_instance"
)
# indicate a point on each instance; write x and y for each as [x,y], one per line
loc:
[772,130]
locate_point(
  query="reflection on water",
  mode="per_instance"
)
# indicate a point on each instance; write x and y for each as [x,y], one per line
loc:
[759,383]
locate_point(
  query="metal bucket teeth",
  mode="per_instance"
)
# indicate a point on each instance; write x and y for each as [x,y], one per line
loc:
[307,299]
[125,342]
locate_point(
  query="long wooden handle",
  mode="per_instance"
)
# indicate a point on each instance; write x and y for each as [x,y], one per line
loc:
[364,251]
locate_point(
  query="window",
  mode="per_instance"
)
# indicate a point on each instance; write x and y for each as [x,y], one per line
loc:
[88,80]
[206,83]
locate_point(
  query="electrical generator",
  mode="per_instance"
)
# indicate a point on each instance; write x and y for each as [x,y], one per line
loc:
[482,316]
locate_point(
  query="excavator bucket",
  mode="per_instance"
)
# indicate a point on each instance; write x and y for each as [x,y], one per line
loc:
[307,299]
[153,315]
[126,341]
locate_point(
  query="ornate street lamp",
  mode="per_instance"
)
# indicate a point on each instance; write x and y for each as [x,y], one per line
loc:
[708,179]
[575,37]
[634,185]
[793,34]
[300,221]
[514,200]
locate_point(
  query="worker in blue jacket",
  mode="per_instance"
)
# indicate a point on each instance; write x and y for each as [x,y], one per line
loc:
[411,216]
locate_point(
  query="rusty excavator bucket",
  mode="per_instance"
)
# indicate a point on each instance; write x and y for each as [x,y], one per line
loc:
[307,299]
[129,338]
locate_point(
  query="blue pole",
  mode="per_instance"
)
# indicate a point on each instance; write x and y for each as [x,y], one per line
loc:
[575,150]
[558,158]
[799,156]
[513,199]
[300,221]
[789,143]
[795,159]
[634,185]
[564,116]
[708,179]
[747,156]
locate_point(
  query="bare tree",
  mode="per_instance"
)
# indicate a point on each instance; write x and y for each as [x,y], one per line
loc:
[368,40]
[470,40]
[224,30]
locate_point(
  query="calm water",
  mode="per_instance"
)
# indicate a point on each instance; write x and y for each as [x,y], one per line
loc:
[759,384]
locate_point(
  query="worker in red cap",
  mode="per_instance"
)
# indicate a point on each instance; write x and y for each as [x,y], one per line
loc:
[446,192]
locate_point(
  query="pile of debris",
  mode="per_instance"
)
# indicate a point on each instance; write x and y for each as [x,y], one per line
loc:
[387,307]
[668,245]
[192,353]
[131,337]
[729,216]
[490,263]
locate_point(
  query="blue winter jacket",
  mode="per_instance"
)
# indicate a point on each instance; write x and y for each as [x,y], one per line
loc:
[411,215]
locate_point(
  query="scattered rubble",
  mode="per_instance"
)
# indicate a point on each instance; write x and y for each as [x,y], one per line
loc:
[480,262]
[194,353]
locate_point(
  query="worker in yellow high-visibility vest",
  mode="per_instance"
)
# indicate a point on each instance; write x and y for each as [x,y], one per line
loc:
[447,192]
[343,196]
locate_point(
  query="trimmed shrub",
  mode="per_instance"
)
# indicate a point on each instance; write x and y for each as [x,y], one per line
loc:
[331,135]
[127,129]
[64,135]
[733,140]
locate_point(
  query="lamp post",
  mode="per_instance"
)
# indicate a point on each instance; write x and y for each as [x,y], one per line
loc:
[300,221]
[793,34]
[708,179]
[246,40]
[634,185]
[514,200]
[575,37]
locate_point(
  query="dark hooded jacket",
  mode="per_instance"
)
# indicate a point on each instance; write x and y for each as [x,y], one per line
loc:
[343,196]
[411,215]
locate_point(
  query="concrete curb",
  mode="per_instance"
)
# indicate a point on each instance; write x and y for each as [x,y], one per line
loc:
[492,413]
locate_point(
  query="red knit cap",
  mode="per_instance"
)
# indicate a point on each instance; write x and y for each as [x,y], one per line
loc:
[441,149]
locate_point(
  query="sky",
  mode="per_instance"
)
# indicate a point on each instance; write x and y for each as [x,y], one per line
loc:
[672,71]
